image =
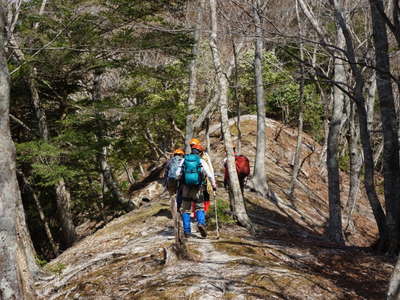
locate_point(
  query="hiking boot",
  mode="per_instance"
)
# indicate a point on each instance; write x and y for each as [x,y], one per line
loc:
[203,230]
[187,235]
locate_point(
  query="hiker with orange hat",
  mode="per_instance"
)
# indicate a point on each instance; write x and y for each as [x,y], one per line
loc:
[194,173]
[204,155]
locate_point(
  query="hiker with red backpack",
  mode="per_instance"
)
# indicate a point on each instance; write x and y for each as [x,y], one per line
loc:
[242,169]
[194,173]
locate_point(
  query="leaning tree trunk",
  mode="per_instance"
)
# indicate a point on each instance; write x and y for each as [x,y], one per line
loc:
[239,208]
[391,164]
[356,159]
[27,186]
[193,76]
[64,213]
[335,217]
[369,180]
[16,271]
[259,180]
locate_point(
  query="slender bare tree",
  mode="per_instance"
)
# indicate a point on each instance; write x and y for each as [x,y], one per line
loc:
[259,180]
[335,216]
[193,75]
[237,201]
[296,161]
[391,163]
[358,97]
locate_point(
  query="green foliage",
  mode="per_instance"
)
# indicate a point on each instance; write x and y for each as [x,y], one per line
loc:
[41,262]
[76,39]
[224,214]
[44,159]
[282,93]
[56,268]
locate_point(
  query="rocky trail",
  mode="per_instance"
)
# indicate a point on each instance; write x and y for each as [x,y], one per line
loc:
[288,257]
[133,258]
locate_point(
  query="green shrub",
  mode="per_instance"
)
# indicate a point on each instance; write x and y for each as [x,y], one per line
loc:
[223,213]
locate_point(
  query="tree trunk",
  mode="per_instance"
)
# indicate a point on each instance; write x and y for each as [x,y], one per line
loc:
[356,159]
[335,216]
[39,111]
[180,246]
[101,133]
[296,161]
[236,96]
[391,164]
[214,101]
[64,213]
[16,273]
[394,284]
[27,185]
[371,101]
[355,166]
[369,181]
[239,208]
[193,77]
[259,179]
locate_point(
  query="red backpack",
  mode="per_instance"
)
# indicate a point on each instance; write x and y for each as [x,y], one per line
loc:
[242,167]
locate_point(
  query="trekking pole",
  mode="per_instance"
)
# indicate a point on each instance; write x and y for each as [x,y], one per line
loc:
[216,215]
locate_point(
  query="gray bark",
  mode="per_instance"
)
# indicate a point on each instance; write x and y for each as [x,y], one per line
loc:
[214,101]
[356,159]
[369,181]
[236,96]
[394,284]
[239,208]
[391,164]
[335,218]
[15,278]
[355,166]
[296,161]
[193,77]
[259,180]
[64,213]
[371,101]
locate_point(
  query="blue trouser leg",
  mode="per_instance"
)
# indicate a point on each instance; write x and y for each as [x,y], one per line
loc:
[186,222]
[201,217]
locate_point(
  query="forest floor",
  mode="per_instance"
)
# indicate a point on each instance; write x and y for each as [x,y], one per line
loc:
[288,257]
